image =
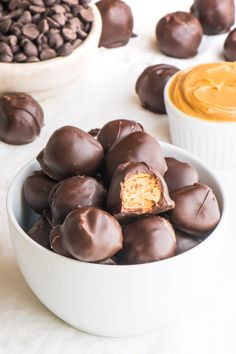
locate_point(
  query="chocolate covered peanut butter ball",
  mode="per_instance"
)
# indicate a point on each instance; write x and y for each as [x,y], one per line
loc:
[179,35]
[216,16]
[147,240]
[40,232]
[117,23]
[69,152]
[150,86]
[21,118]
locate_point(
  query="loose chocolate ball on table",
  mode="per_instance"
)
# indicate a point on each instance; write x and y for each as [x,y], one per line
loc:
[196,210]
[150,86]
[179,35]
[185,242]
[117,23]
[115,130]
[135,190]
[73,193]
[216,16]
[37,188]
[90,234]
[147,240]
[40,232]
[179,174]
[21,118]
[230,46]
[69,152]
[136,147]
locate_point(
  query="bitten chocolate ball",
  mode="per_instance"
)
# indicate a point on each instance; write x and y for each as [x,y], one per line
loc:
[196,210]
[37,188]
[73,193]
[216,16]
[70,152]
[90,234]
[135,190]
[185,242]
[150,86]
[136,147]
[21,118]
[115,130]
[40,232]
[117,23]
[179,174]
[230,46]
[147,240]
[179,35]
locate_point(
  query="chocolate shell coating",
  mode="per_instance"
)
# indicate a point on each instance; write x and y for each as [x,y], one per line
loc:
[56,243]
[150,86]
[230,46]
[21,118]
[117,23]
[196,210]
[179,35]
[40,232]
[147,240]
[37,188]
[115,130]
[73,193]
[70,152]
[185,242]
[94,132]
[135,191]
[136,147]
[91,234]
[216,16]
[179,174]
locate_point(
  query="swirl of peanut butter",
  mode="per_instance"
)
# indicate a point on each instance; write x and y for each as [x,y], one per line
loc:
[206,91]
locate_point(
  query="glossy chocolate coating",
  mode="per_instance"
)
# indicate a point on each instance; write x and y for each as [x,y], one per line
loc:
[56,243]
[37,188]
[179,35]
[21,118]
[91,234]
[115,130]
[75,192]
[185,242]
[141,193]
[70,152]
[94,132]
[150,86]
[40,232]
[147,240]
[230,46]
[196,210]
[216,16]
[117,23]
[179,174]
[136,147]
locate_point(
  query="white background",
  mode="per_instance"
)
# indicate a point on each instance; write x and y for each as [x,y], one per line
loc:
[26,326]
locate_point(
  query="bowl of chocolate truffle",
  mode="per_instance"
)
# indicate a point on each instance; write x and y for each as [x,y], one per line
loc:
[46,44]
[113,230]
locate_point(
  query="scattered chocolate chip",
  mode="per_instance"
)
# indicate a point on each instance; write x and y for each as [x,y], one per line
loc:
[47,54]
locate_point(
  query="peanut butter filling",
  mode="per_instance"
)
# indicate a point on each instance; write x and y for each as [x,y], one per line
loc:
[206,91]
[140,192]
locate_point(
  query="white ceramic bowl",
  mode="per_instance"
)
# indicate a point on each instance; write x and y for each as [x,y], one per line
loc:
[213,142]
[111,300]
[44,78]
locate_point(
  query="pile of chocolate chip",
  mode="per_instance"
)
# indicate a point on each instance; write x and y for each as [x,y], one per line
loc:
[110,196]
[35,30]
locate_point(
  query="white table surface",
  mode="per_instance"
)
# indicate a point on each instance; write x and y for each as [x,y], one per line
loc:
[106,93]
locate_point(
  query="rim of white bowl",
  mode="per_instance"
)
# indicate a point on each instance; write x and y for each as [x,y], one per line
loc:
[204,243]
[95,30]
[185,115]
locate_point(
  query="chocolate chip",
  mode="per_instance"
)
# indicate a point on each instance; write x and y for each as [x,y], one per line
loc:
[20,57]
[30,49]
[43,26]
[30,31]
[5,25]
[12,40]
[48,54]
[86,15]
[55,40]
[68,34]
[81,34]
[77,42]
[71,2]
[37,9]
[25,18]
[60,19]
[6,58]
[32,60]
[65,49]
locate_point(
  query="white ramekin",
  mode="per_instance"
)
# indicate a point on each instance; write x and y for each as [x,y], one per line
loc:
[213,142]
[44,78]
[111,300]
